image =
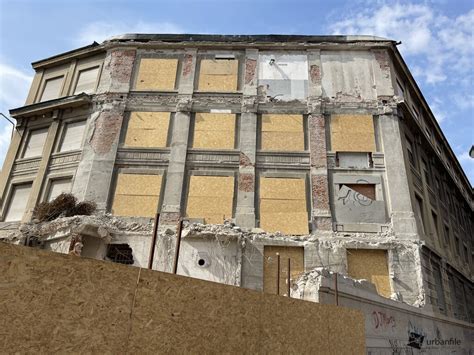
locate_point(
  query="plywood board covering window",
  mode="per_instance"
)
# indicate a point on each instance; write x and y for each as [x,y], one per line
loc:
[148,129]
[283,205]
[52,88]
[210,198]
[282,132]
[371,265]
[270,267]
[157,74]
[57,187]
[214,131]
[86,82]
[72,137]
[18,202]
[218,75]
[137,195]
[352,133]
[35,143]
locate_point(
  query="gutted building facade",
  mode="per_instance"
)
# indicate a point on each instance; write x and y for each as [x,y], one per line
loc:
[320,149]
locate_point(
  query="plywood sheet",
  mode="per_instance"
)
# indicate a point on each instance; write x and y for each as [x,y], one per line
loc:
[352,133]
[137,195]
[282,132]
[282,188]
[214,131]
[280,205]
[218,75]
[147,129]
[282,123]
[292,223]
[211,198]
[372,265]
[157,74]
[270,267]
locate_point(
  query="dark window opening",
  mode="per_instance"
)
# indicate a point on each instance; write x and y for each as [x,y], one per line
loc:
[120,253]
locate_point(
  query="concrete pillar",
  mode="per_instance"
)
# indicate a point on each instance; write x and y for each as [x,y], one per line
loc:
[94,173]
[397,188]
[321,212]
[12,153]
[245,211]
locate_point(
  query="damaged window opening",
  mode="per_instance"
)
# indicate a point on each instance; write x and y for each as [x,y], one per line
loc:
[120,253]
[366,190]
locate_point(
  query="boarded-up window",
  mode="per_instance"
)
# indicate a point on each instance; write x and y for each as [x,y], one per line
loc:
[270,267]
[353,160]
[282,132]
[157,74]
[86,81]
[352,133]
[52,88]
[210,198]
[283,205]
[18,202]
[136,195]
[367,190]
[147,129]
[35,143]
[57,187]
[371,265]
[73,134]
[214,131]
[218,75]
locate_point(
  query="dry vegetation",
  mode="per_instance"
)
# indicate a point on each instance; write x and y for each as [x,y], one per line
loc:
[65,205]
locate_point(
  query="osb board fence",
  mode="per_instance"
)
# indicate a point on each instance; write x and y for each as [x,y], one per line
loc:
[55,303]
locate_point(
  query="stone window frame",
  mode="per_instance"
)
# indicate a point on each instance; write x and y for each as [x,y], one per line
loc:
[137,171]
[51,73]
[18,181]
[192,125]
[273,173]
[89,63]
[62,175]
[305,132]
[62,131]
[179,55]
[126,122]
[220,172]
[240,56]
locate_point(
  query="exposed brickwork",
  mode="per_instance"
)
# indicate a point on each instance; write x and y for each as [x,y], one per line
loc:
[319,186]
[169,217]
[317,141]
[106,131]
[382,58]
[245,160]
[323,223]
[315,74]
[120,67]
[187,64]
[250,67]
[246,182]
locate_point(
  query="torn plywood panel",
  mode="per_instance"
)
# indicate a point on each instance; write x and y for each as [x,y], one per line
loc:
[147,129]
[136,195]
[282,132]
[218,75]
[283,76]
[157,74]
[371,265]
[352,133]
[210,198]
[214,131]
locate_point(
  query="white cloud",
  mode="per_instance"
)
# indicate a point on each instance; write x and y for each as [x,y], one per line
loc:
[101,30]
[468,165]
[5,137]
[14,86]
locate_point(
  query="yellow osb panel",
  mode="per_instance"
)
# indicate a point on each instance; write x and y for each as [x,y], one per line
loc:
[270,269]
[372,265]
[283,141]
[147,129]
[211,198]
[157,74]
[136,184]
[214,131]
[286,222]
[135,206]
[279,205]
[282,123]
[282,188]
[218,75]
[352,133]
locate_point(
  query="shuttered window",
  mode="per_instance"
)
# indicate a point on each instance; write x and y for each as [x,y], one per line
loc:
[52,88]
[18,202]
[72,137]
[35,143]
[57,187]
[86,82]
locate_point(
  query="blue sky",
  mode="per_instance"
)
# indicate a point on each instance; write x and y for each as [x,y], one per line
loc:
[437,40]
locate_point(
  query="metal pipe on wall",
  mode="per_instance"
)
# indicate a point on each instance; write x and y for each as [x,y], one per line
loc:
[153,241]
[178,243]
